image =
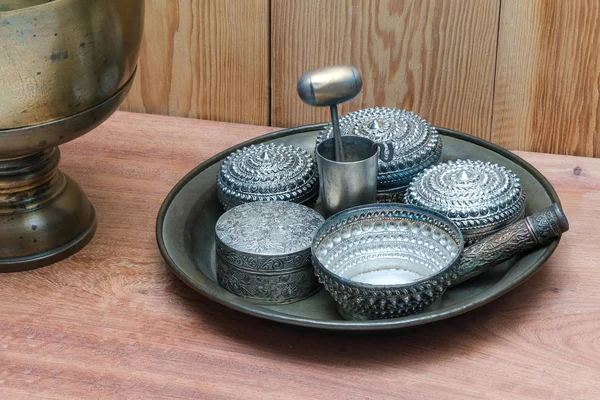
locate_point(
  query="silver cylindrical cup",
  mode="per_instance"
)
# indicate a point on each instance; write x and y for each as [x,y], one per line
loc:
[349,183]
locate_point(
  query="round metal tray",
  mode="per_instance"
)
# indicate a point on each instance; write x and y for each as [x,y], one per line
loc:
[185,234]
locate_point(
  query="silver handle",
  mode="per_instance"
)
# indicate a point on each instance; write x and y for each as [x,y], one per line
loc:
[532,232]
[386,151]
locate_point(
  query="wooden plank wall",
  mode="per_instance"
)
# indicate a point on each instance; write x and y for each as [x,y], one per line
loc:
[523,74]
[548,77]
[435,58]
[204,59]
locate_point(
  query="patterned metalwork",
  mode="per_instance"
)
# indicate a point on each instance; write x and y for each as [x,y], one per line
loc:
[534,231]
[267,172]
[262,263]
[263,251]
[480,197]
[281,288]
[391,196]
[547,224]
[386,260]
[276,228]
[416,143]
[390,260]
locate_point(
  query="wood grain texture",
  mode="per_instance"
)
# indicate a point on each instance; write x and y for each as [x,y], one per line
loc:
[112,322]
[547,86]
[523,74]
[204,59]
[432,57]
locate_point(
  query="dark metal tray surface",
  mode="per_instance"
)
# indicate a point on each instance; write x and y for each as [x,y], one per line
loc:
[186,238]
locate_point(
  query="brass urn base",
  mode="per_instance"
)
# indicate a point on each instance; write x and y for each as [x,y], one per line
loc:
[65,67]
[44,215]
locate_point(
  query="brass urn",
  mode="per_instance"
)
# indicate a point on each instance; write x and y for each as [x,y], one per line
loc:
[65,67]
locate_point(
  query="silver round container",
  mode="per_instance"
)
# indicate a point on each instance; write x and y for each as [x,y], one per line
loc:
[386,260]
[416,143]
[263,251]
[480,197]
[268,172]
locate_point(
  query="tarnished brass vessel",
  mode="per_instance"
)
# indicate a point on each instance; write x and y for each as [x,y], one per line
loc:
[65,67]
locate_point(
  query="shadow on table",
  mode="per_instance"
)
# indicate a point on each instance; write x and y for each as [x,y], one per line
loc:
[441,340]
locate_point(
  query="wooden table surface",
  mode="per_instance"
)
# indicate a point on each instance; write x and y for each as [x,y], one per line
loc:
[113,322]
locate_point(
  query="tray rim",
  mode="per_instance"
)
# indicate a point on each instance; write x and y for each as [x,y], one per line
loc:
[340,325]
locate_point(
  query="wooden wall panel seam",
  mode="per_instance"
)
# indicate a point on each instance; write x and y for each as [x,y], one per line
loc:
[434,57]
[495,70]
[547,97]
[522,74]
[270,65]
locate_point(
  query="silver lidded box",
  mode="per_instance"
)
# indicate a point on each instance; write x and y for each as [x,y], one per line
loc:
[264,251]
[480,197]
[268,172]
[416,143]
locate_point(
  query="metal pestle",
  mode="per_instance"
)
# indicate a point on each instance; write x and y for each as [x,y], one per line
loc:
[330,86]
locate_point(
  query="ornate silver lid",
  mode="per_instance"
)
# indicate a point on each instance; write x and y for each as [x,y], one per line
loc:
[267,172]
[416,143]
[271,229]
[480,197]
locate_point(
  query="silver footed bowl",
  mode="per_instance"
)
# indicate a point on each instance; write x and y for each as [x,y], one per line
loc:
[386,260]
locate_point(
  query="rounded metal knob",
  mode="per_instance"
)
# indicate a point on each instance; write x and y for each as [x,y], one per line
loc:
[330,85]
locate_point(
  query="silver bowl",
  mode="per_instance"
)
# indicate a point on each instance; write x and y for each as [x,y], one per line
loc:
[386,260]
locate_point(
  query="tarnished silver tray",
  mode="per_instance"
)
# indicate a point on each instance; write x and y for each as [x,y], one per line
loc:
[187,218]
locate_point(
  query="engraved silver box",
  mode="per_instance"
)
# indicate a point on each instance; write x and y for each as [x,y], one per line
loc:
[480,197]
[263,251]
[268,172]
[416,144]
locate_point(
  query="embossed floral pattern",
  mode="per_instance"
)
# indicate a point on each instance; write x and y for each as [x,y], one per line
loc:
[536,230]
[273,288]
[345,242]
[263,251]
[274,228]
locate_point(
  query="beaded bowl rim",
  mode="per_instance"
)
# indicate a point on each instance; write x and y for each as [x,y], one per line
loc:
[355,213]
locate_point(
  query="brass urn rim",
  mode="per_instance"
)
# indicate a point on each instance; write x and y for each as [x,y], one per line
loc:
[16,5]
[18,141]
[63,57]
